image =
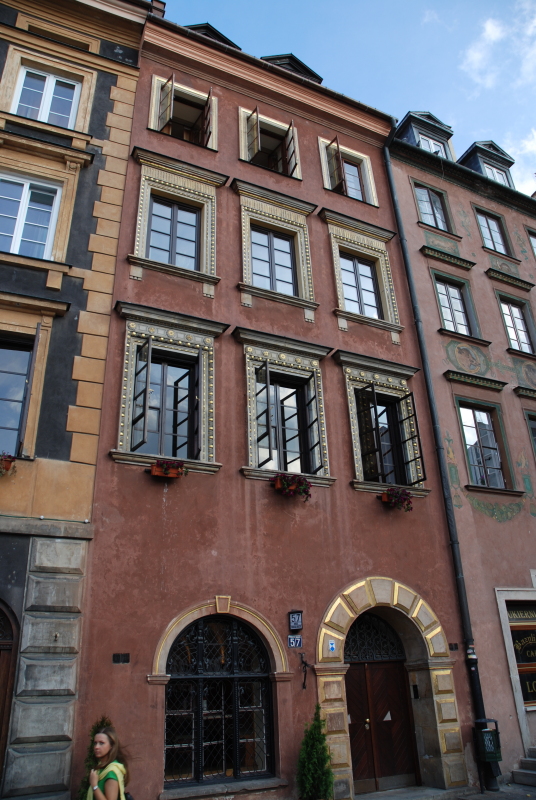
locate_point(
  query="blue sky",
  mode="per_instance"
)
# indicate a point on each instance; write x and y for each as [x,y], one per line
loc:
[472,63]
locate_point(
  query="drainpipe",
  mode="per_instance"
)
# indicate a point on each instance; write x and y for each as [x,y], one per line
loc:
[470,654]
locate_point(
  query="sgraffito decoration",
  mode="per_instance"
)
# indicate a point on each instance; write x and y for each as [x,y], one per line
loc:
[468,358]
[502,512]
[454,475]
[526,372]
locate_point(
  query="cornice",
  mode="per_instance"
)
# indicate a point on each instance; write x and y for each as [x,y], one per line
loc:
[475,380]
[275,198]
[260,339]
[448,258]
[356,225]
[524,391]
[133,10]
[358,361]
[57,152]
[192,171]
[506,277]
[266,474]
[41,305]
[184,321]
[143,460]
[34,263]
[374,488]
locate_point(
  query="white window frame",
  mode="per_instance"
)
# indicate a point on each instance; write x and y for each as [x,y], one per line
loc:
[278,126]
[433,142]
[494,172]
[21,217]
[44,109]
[188,94]
[354,157]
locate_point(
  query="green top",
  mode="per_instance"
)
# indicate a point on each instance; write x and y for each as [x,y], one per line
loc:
[110,776]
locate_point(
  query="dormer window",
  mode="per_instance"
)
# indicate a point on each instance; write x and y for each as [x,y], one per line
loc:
[432,145]
[495,174]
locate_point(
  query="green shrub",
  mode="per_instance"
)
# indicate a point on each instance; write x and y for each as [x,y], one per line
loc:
[90,760]
[315,776]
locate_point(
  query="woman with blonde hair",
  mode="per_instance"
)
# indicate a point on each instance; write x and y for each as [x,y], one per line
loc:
[108,781]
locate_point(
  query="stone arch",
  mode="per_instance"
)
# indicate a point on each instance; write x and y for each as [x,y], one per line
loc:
[429,667]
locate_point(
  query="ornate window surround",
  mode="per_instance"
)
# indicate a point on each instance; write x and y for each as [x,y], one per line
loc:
[388,377]
[243,114]
[176,333]
[277,212]
[290,357]
[177,180]
[360,159]
[363,239]
[185,91]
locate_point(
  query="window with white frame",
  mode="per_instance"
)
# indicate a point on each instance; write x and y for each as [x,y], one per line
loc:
[452,305]
[184,113]
[492,232]
[432,145]
[47,98]
[431,207]
[516,325]
[346,171]
[532,239]
[495,174]
[28,213]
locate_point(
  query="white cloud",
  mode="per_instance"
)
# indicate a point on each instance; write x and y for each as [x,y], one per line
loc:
[430,16]
[479,61]
[523,171]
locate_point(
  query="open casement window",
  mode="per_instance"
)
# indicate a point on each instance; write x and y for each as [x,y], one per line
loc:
[482,448]
[270,145]
[17,365]
[165,418]
[389,438]
[344,175]
[287,418]
[184,116]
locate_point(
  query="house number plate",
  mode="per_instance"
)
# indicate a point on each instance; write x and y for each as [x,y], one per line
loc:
[295,641]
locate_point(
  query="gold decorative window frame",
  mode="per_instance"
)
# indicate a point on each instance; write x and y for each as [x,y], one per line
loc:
[289,357]
[24,21]
[243,114]
[388,378]
[360,159]
[18,57]
[22,315]
[283,214]
[179,334]
[188,92]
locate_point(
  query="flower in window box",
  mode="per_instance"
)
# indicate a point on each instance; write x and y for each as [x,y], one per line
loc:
[7,464]
[169,469]
[291,485]
[396,497]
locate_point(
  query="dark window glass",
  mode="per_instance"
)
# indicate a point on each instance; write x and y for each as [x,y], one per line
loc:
[521,617]
[218,704]
[516,326]
[491,232]
[482,448]
[532,427]
[532,237]
[187,120]
[431,208]
[452,307]
[359,285]
[174,234]
[14,370]
[272,261]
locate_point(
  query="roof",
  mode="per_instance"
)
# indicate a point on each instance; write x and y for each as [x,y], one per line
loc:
[293,64]
[490,150]
[429,121]
[206,29]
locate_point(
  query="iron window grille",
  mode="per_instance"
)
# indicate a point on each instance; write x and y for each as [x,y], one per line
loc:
[47,98]
[165,417]
[17,365]
[174,234]
[389,438]
[270,145]
[453,309]
[287,417]
[372,639]
[431,208]
[345,176]
[218,704]
[180,115]
[482,449]
[360,286]
[492,234]
[273,263]
[516,327]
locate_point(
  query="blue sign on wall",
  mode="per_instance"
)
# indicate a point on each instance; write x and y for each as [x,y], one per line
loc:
[295,641]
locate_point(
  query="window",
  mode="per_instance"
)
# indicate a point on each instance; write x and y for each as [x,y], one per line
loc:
[431,208]
[174,234]
[47,98]
[218,704]
[346,171]
[532,239]
[185,113]
[432,145]
[388,436]
[271,145]
[531,419]
[272,261]
[490,228]
[16,368]
[495,174]
[516,327]
[359,283]
[482,448]
[522,620]
[27,217]
[452,307]
[288,434]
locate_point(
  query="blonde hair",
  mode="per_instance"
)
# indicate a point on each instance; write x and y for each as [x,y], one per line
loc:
[116,753]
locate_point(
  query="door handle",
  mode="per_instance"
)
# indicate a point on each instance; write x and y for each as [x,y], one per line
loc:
[367,726]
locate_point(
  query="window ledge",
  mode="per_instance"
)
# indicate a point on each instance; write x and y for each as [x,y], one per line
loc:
[507,277]
[58,152]
[257,474]
[183,141]
[22,302]
[490,490]
[251,786]
[79,139]
[33,263]
[501,255]
[475,380]
[171,269]
[145,460]
[273,171]
[349,197]
[376,323]
[267,294]
[432,228]
[377,488]
[521,353]
[447,258]
[464,337]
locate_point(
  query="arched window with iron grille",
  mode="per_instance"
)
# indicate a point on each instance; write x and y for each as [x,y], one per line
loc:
[218,704]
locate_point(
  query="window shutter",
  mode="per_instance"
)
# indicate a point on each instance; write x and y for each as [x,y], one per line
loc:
[253,133]
[369,434]
[165,108]
[142,378]
[290,149]
[206,123]
[314,441]
[336,167]
[263,417]
[410,440]
[28,391]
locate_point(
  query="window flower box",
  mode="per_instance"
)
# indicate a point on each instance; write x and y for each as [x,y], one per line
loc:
[396,497]
[291,485]
[7,464]
[168,469]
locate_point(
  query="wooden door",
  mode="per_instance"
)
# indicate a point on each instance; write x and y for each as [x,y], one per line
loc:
[381,728]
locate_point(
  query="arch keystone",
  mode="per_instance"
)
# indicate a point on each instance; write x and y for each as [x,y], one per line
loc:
[223,603]
[382,589]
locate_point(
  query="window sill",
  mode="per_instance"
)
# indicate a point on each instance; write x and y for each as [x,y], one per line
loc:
[376,323]
[475,380]
[79,140]
[490,490]
[507,277]
[171,269]
[433,229]
[521,353]
[57,152]
[145,460]
[267,294]
[464,337]
[184,141]
[501,255]
[377,488]
[447,258]
[273,171]
[257,474]
[355,199]
[251,786]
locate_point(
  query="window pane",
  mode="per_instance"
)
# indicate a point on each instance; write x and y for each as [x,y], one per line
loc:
[490,172]
[496,235]
[425,206]
[61,104]
[438,211]
[353,181]
[10,197]
[31,95]
[37,224]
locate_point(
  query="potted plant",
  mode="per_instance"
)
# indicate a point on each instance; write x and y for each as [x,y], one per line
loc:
[315,776]
[397,497]
[7,464]
[291,485]
[168,469]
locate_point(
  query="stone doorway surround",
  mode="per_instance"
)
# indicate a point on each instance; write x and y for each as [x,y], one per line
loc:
[435,710]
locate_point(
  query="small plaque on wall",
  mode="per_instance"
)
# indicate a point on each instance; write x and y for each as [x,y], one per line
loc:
[295,641]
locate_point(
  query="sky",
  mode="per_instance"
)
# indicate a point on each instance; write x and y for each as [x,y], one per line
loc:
[472,63]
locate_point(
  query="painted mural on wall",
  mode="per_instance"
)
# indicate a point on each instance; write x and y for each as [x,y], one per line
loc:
[504,266]
[441,243]
[526,372]
[468,358]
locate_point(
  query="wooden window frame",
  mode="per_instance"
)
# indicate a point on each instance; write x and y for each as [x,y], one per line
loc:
[443,144]
[26,181]
[495,169]
[175,206]
[521,307]
[250,124]
[440,196]
[451,227]
[208,99]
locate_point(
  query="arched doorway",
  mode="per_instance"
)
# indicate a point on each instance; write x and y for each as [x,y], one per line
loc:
[218,703]
[379,712]
[8,653]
